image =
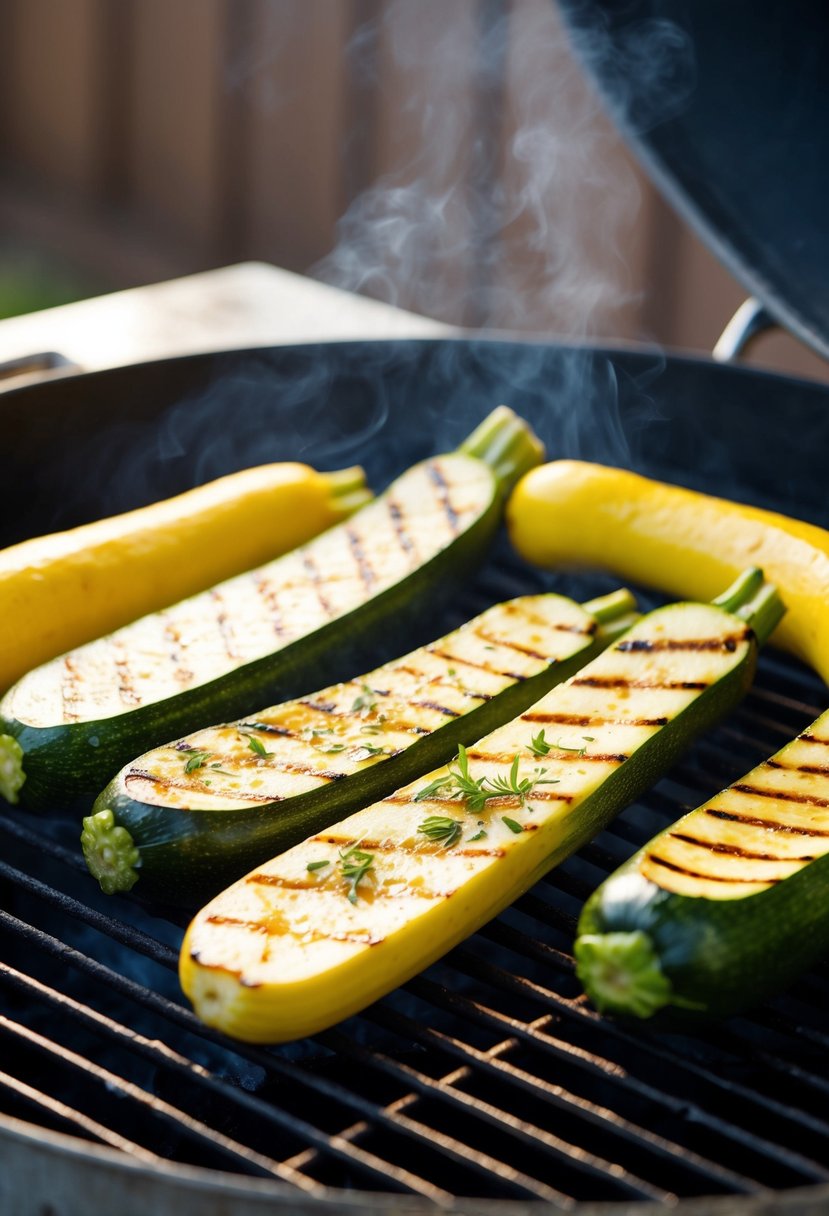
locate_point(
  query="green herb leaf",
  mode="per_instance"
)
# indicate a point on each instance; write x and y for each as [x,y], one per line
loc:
[218,769]
[370,751]
[366,701]
[512,824]
[578,751]
[479,835]
[331,749]
[539,745]
[257,746]
[196,760]
[442,828]
[371,730]
[317,865]
[355,864]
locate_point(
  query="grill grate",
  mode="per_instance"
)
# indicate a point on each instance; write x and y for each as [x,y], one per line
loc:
[486,1076]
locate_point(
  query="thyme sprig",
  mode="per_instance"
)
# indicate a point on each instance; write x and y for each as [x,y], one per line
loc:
[365,702]
[477,791]
[196,759]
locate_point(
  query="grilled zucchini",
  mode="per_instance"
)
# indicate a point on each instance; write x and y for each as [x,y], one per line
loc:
[189,818]
[321,931]
[332,605]
[67,588]
[725,907]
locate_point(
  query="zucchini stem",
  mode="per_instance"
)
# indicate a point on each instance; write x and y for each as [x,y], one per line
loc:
[12,775]
[614,613]
[110,852]
[348,489]
[754,601]
[507,444]
[621,973]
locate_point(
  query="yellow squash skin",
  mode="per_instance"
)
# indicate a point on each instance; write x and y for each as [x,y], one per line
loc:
[63,590]
[687,544]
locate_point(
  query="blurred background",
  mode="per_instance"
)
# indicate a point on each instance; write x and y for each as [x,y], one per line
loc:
[447,157]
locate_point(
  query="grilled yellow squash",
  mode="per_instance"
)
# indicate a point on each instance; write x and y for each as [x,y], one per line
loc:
[337,921]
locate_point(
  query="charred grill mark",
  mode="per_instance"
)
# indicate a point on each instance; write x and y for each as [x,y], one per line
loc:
[397,517]
[441,709]
[126,689]
[653,645]
[71,698]
[781,795]
[435,475]
[774,825]
[622,682]
[733,850]
[532,618]
[448,657]
[492,639]
[588,720]
[808,737]
[569,757]
[318,583]
[283,930]
[419,848]
[319,884]
[670,865]
[197,785]
[172,635]
[323,707]
[268,728]
[364,567]
[225,625]
[819,770]
[270,598]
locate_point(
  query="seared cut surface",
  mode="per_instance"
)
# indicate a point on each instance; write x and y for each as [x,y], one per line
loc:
[257,613]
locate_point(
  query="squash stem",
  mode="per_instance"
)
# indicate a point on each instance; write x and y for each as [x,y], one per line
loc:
[110,852]
[754,601]
[507,444]
[621,973]
[348,490]
[614,614]
[12,775]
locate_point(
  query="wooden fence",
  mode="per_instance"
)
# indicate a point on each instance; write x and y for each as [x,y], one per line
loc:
[444,154]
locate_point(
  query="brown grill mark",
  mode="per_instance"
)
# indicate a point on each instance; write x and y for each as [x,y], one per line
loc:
[781,795]
[225,625]
[71,698]
[139,774]
[669,865]
[774,825]
[126,691]
[367,575]
[728,644]
[397,518]
[621,682]
[172,635]
[808,737]
[733,850]
[270,598]
[323,707]
[423,846]
[253,926]
[371,894]
[435,474]
[570,756]
[493,671]
[318,583]
[441,709]
[589,720]
[819,770]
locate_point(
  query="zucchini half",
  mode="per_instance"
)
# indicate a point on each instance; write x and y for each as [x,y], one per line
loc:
[331,605]
[190,817]
[321,931]
[725,907]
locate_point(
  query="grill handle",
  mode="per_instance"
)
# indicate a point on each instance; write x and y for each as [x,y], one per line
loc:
[749,321]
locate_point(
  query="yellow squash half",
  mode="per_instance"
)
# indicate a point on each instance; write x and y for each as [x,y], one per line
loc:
[62,590]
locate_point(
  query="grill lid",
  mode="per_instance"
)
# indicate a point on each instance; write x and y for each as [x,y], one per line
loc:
[727,106]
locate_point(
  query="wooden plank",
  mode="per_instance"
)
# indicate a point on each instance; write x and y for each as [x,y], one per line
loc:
[51,125]
[175,94]
[289,78]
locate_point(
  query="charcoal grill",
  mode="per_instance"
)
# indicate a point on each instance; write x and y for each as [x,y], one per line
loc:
[487,1078]
[487,1083]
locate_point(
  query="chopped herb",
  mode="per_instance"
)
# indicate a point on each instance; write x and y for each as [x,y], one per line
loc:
[371,730]
[451,671]
[539,745]
[256,745]
[355,864]
[479,835]
[577,751]
[441,828]
[477,791]
[370,751]
[366,701]
[310,732]
[317,865]
[334,747]
[196,760]
[489,647]
[512,825]
[216,768]
[588,739]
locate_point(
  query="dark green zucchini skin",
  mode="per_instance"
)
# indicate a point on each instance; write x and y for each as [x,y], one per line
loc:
[68,763]
[718,956]
[189,856]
